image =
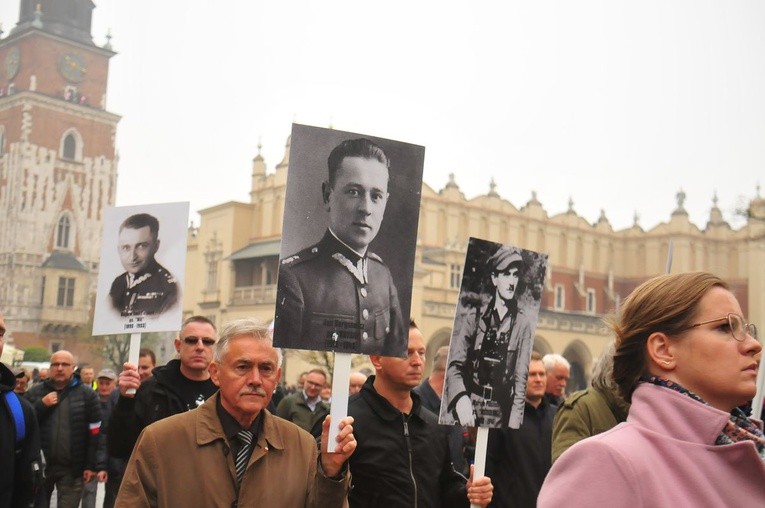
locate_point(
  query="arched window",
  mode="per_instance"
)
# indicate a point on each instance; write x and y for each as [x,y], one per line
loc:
[71,146]
[62,232]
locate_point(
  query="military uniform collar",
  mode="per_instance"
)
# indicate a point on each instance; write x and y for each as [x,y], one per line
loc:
[340,246]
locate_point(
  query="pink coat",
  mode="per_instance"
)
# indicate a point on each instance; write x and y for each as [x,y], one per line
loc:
[663,455]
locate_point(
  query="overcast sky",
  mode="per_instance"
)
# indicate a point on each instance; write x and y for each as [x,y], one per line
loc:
[615,104]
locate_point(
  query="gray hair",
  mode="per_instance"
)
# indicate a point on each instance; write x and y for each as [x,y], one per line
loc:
[552,359]
[439,362]
[603,372]
[251,327]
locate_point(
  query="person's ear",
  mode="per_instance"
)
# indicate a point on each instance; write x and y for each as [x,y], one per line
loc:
[326,190]
[375,359]
[660,349]
[177,343]
[213,369]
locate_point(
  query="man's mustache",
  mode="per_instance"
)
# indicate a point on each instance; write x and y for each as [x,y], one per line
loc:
[258,390]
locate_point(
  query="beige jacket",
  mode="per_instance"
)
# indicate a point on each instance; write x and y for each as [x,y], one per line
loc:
[185,460]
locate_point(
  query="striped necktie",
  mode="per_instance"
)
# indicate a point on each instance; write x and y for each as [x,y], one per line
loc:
[243,455]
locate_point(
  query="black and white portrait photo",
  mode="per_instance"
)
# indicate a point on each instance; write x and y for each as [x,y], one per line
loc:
[493,336]
[348,243]
[142,267]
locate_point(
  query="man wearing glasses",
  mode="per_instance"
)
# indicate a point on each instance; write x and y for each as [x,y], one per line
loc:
[181,385]
[305,408]
[70,421]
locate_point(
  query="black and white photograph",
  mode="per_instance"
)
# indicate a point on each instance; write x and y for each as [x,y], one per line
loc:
[348,242]
[493,336]
[142,267]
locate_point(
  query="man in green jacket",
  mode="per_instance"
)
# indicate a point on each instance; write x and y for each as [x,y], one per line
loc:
[305,408]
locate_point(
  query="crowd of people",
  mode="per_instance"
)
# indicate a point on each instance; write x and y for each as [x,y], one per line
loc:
[665,413]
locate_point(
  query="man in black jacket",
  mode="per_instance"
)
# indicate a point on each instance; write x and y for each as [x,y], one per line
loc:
[70,421]
[179,386]
[402,454]
[20,462]
[519,459]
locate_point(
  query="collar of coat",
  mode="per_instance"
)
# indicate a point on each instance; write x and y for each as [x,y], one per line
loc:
[210,429]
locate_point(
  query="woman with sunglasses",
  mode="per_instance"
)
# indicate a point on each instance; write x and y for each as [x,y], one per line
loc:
[685,358]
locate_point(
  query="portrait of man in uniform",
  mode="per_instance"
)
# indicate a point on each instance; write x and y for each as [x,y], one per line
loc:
[140,276]
[493,336]
[146,287]
[341,293]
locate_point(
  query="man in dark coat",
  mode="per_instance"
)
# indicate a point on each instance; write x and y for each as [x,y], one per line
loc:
[70,422]
[179,386]
[146,287]
[20,461]
[519,459]
[336,295]
[402,454]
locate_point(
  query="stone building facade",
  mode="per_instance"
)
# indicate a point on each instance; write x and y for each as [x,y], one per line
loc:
[58,171]
[233,261]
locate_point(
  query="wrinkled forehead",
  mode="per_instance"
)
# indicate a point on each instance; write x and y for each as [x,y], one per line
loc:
[62,356]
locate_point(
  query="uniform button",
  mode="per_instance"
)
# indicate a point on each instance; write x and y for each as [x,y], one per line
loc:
[365,314]
[364,292]
[365,335]
[387,329]
[335,336]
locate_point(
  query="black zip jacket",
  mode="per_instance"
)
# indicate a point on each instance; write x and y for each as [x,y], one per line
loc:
[154,400]
[400,460]
[20,463]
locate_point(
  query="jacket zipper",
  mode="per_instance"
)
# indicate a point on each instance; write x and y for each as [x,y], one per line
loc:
[409,448]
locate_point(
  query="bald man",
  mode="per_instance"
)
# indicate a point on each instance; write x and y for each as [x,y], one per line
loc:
[70,421]
[355,382]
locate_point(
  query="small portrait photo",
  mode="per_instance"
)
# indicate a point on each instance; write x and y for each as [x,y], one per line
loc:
[348,242]
[493,336]
[142,268]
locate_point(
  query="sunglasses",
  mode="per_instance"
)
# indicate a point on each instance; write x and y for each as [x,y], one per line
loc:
[192,341]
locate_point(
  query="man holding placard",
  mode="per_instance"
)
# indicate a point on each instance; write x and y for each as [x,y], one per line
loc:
[180,386]
[402,457]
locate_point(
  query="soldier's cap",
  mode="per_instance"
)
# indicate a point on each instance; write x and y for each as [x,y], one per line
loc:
[19,372]
[107,373]
[504,258]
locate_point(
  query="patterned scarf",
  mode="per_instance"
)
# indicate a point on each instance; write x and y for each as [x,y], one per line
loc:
[738,428]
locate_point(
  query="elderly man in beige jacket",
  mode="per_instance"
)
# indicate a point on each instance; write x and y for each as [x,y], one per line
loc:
[231,451]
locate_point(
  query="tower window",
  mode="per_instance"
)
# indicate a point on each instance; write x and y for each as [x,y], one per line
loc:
[65,292]
[62,232]
[70,146]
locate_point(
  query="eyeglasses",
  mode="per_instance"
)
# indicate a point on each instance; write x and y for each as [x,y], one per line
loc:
[738,327]
[60,364]
[311,383]
[192,341]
